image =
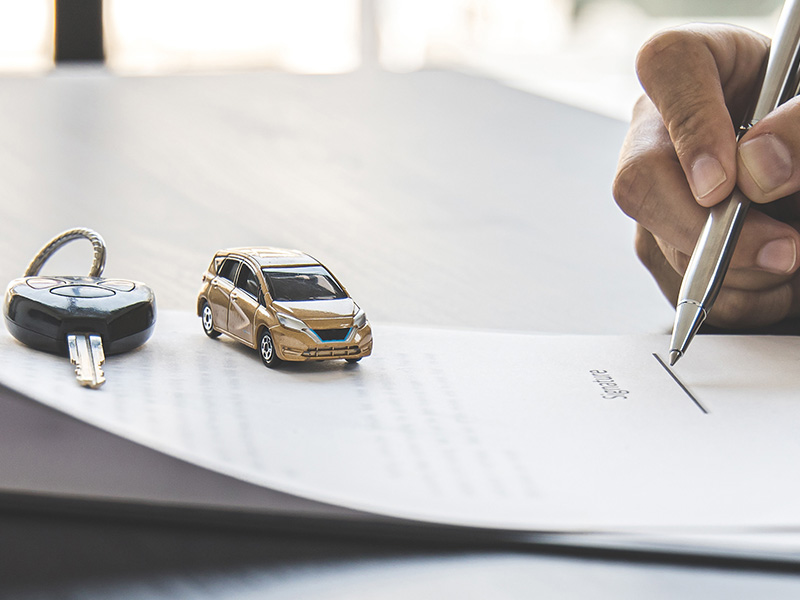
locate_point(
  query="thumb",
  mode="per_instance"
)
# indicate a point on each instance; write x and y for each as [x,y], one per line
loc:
[768,154]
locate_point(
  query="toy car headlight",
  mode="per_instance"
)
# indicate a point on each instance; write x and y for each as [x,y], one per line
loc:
[291,322]
[360,319]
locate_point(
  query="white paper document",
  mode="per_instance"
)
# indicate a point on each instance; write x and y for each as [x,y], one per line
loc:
[552,433]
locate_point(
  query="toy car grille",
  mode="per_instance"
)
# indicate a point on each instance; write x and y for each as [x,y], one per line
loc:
[326,351]
[333,335]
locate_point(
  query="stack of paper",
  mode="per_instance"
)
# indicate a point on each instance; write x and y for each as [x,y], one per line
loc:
[477,429]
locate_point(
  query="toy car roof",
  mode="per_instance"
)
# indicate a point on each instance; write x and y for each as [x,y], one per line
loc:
[267,256]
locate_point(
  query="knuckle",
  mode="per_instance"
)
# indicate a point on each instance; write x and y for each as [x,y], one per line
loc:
[634,185]
[625,187]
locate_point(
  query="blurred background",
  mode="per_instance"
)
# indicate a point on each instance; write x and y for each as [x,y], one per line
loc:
[374,134]
[576,51]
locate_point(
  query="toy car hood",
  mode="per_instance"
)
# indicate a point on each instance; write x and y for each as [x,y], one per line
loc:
[318,309]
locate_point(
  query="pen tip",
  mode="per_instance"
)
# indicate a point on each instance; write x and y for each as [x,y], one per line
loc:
[674,355]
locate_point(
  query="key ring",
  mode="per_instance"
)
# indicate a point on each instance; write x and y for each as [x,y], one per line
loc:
[98,247]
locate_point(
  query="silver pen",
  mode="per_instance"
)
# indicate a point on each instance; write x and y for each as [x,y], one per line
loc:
[712,254]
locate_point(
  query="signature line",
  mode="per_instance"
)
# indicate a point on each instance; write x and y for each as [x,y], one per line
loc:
[680,383]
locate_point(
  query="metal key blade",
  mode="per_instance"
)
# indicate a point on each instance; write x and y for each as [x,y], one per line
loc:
[86,353]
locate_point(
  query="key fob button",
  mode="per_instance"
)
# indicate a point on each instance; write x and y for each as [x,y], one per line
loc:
[82,291]
[120,285]
[40,283]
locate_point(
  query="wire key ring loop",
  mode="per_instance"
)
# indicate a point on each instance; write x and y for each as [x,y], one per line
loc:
[98,247]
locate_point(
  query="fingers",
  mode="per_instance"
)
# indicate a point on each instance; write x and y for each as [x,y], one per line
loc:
[649,252]
[684,71]
[697,76]
[767,155]
[752,255]
[747,308]
[734,307]
[681,156]
[650,187]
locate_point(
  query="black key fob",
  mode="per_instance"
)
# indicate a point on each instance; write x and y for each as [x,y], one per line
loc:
[42,311]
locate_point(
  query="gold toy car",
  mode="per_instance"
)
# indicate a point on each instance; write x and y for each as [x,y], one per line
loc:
[284,303]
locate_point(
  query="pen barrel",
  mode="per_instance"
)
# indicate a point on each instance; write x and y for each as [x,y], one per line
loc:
[781,76]
[712,254]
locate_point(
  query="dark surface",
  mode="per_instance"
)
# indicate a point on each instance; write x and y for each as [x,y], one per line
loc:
[59,558]
[79,31]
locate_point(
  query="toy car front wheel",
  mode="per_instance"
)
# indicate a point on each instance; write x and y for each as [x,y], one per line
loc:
[353,360]
[207,318]
[266,349]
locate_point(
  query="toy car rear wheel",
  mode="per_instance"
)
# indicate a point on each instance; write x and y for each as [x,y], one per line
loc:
[266,349]
[207,318]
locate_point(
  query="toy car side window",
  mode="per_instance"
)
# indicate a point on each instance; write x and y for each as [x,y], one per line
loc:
[228,269]
[246,280]
[216,264]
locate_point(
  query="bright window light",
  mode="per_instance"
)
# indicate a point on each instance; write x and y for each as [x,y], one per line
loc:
[305,36]
[580,52]
[415,33]
[26,36]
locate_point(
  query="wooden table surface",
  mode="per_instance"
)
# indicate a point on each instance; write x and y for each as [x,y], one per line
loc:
[437,198]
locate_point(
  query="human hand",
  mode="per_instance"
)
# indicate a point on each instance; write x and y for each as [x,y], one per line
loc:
[680,157]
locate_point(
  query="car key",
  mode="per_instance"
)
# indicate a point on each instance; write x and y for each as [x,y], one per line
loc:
[83,317]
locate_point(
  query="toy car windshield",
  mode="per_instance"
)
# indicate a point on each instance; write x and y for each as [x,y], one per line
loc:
[293,284]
